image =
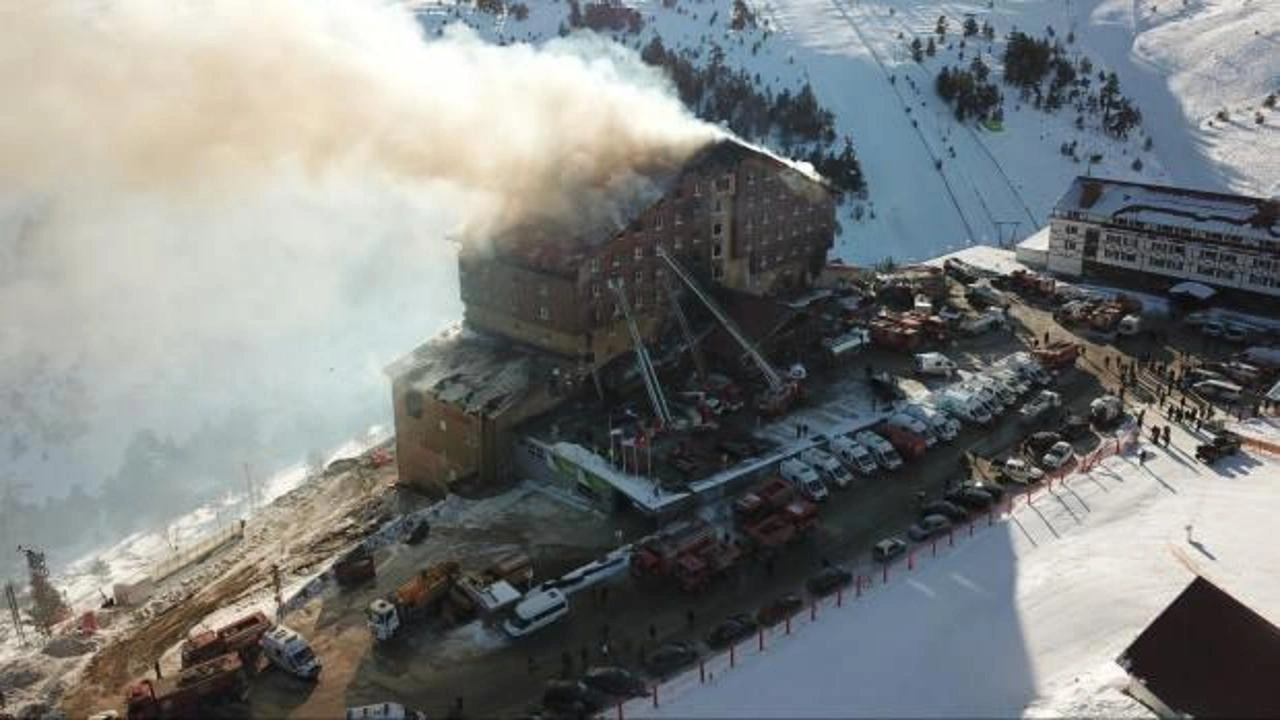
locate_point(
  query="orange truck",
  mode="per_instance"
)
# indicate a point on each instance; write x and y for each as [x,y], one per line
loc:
[419,596]
[691,553]
[242,637]
[773,515]
[190,693]
[1057,355]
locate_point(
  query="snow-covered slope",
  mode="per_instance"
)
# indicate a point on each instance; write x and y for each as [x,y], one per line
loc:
[1026,615]
[1180,64]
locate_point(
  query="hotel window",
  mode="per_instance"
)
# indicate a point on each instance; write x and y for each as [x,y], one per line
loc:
[717,229]
[638,253]
[657,222]
[639,276]
[544,313]
[716,250]
[594,265]
[595,290]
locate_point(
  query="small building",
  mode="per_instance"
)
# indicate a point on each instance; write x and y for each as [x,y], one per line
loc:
[1206,655]
[456,400]
[1034,250]
[1151,237]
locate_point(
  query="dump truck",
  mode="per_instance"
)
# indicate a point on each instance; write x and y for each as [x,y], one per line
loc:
[1057,355]
[242,637]
[773,515]
[355,567]
[692,553]
[219,680]
[493,589]
[418,597]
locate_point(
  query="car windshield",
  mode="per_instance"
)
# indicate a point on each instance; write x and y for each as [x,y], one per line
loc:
[303,656]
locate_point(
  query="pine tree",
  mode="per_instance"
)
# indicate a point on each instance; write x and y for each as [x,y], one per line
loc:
[47,607]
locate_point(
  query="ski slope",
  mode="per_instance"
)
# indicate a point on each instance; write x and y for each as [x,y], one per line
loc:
[1027,615]
[1181,64]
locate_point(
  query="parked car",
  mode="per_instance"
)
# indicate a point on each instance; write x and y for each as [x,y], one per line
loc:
[995,491]
[971,497]
[1057,456]
[928,526]
[779,610]
[732,628]
[1040,406]
[1021,471]
[670,657]
[1037,444]
[945,508]
[1075,427]
[888,549]
[615,681]
[828,580]
[572,698]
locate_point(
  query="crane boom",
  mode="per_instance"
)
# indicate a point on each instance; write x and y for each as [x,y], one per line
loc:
[771,376]
[651,384]
[684,328]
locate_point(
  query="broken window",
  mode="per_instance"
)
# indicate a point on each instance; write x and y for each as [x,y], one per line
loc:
[716,250]
[413,404]
[717,229]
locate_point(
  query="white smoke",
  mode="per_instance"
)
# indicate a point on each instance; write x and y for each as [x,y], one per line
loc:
[211,207]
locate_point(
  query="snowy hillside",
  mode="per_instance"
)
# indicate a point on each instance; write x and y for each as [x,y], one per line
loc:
[1179,67]
[1026,616]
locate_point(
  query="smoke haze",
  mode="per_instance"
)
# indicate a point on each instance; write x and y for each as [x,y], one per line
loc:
[232,213]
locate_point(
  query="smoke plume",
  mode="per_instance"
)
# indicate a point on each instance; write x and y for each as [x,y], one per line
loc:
[217,209]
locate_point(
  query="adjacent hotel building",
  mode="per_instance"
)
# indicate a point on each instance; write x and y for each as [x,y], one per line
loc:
[1151,237]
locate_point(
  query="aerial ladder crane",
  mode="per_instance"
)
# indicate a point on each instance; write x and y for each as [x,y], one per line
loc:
[643,362]
[683,321]
[781,393]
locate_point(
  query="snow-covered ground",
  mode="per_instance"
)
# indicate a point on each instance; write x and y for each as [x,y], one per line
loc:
[1027,615]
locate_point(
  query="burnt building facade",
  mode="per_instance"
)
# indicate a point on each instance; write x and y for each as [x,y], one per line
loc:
[736,216]
[541,314]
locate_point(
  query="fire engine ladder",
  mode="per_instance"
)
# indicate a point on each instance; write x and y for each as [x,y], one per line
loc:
[689,339]
[643,362]
[770,375]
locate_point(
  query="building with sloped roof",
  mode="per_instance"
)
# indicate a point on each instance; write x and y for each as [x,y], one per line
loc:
[1206,655]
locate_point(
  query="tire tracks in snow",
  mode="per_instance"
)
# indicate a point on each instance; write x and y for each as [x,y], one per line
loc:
[842,8]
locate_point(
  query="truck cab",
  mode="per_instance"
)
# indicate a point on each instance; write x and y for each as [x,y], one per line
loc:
[382,618]
[830,468]
[853,454]
[289,651]
[804,478]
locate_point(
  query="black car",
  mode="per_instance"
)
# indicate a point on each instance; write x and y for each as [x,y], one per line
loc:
[779,610]
[828,580]
[1038,444]
[1075,427]
[945,508]
[995,491]
[616,681]
[732,628]
[971,497]
[670,657]
[571,698]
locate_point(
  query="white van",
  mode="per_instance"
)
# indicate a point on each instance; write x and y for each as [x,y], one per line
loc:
[1219,390]
[943,427]
[881,450]
[934,363]
[830,468]
[1027,367]
[853,454]
[965,405]
[804,478]
[291,652]
[384,711]
[537,610]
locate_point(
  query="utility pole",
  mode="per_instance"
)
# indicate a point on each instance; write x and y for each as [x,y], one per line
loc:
[252,490]
[15,614]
